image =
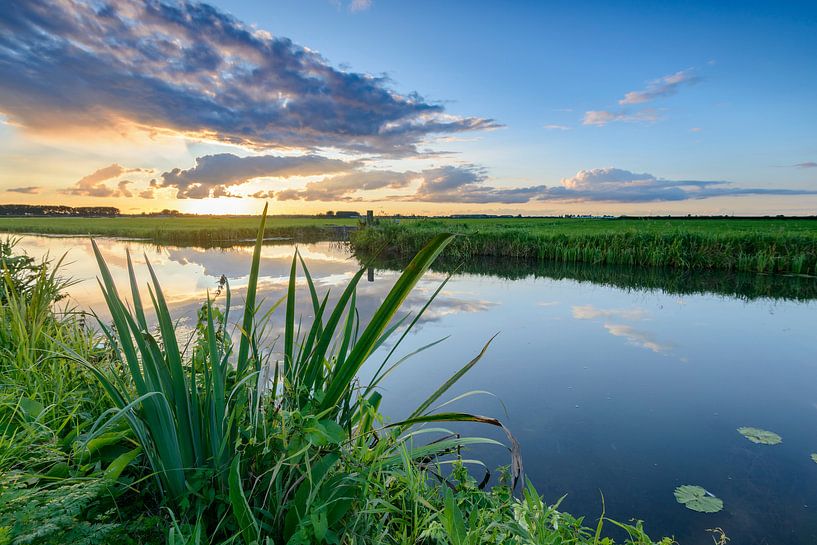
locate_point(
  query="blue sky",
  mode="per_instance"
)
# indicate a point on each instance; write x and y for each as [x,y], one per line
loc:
[528,101]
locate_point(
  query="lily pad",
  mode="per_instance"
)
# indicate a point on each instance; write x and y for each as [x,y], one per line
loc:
[698,499]
[814,457]
[761,437]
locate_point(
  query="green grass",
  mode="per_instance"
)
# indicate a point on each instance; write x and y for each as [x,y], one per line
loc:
[132,434]
[204,231]
[756,245]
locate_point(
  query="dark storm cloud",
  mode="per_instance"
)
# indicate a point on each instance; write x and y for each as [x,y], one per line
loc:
[189,67]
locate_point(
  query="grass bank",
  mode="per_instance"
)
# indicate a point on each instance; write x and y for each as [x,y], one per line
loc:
[204,231]
[125,432]
[756,245]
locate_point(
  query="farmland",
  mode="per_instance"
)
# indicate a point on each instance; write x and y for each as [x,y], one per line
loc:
[203,231]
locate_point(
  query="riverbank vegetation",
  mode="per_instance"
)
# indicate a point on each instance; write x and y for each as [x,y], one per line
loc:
[747,286]
[769,245]
[125,431]
[755,245]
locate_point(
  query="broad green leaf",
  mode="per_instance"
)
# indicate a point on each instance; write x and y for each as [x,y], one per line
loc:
[31,408]
[698,499]
[333,431]
[115,468]
[759,436]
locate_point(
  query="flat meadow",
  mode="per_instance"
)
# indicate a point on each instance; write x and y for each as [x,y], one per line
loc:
[191,230]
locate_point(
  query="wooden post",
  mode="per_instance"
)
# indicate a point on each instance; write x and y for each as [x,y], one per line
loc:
[370,275]
[369,217]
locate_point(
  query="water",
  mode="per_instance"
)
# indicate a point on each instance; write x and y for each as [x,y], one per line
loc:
[615,381]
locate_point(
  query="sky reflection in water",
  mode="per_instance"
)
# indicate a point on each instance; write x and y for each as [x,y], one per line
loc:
[626,391]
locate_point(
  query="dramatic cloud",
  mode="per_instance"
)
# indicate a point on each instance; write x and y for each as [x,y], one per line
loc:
[603,117]
[449,183]
[466,185]
[219,175]
[617,185]
[808,164]
[191,68]
[93,185]
[214,173]
[661,87]
[337,188]
[28,190]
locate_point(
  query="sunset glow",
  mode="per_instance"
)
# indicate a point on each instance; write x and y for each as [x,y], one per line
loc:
[218,108]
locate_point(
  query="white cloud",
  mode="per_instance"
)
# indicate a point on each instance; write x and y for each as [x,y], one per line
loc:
[360,5]
[93,185]
[661,87]
[601,118]
[619,185]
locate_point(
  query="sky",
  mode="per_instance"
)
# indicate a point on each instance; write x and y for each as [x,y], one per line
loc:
[525,107]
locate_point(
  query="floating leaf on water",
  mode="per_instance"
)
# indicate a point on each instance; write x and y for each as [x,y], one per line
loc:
[814,457]
[698,499]
[761,437]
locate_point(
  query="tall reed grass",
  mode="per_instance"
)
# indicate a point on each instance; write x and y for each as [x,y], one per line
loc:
[268,435]
[678,246]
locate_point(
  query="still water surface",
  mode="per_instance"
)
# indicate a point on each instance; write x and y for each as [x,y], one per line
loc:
[621,382]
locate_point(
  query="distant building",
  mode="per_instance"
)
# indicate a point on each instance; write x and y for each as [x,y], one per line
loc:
[346,214]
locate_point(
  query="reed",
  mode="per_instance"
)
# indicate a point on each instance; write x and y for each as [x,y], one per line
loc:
[788,246]
[268,435]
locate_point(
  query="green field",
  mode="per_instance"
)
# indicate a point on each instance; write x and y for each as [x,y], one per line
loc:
[758,245]
[198,231]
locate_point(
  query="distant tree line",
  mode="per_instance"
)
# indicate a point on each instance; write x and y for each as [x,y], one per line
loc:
[57,210]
